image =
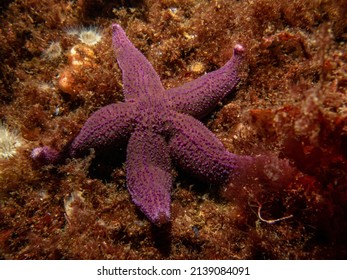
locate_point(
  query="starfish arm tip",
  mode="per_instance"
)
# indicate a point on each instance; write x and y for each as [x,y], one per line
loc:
[119,38]
[162,218]
[239,49]
[45,155]
[115,26]
[157,213]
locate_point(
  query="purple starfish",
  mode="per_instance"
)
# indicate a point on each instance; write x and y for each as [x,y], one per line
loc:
[158,125]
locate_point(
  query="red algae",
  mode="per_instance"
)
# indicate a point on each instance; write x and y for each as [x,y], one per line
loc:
[290,108]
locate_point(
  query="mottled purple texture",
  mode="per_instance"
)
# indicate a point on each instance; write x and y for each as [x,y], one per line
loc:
[149,177]
[158,125]
[199,97]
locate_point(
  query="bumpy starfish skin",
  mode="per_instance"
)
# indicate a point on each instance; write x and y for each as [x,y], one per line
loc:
[158,125]
[199,97]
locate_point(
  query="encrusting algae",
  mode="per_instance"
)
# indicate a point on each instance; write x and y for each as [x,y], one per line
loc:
[290,105]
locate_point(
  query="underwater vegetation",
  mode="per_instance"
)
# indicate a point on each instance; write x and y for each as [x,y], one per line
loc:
[58,67]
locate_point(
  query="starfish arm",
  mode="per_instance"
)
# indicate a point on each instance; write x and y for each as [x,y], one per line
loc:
[46,155]
[200,96]
[198,151]
[149,178]
[110,124]
[105,127]
[139,76]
